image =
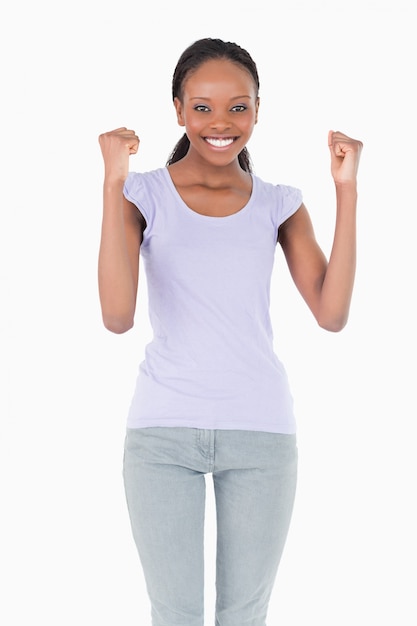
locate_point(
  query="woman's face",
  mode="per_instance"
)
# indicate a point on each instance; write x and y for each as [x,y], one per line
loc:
[219,109]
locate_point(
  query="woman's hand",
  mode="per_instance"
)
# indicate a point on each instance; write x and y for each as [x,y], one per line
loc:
[116,147]
[345,153]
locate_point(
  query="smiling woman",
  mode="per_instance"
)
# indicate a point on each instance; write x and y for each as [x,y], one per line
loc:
[211,394]
[219,107]
[191,60]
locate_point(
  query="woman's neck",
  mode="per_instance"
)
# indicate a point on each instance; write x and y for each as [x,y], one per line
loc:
[193,171]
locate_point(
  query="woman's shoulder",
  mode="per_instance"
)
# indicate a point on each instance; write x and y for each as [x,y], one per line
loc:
[275,188]
[146,190]
[283,199]
[139,184]
[146,177]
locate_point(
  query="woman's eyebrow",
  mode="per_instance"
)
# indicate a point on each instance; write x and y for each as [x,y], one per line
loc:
[208,97]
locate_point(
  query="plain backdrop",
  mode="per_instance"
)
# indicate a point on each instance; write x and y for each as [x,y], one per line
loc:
[73,70]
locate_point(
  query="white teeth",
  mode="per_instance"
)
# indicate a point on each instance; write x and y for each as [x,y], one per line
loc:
[219,143]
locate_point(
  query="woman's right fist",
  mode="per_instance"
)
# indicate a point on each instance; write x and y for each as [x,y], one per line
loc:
[116,146]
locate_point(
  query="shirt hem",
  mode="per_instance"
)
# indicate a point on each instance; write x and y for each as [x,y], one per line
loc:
[284,429]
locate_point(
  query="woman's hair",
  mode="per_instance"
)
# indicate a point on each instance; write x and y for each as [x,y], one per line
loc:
[195,55]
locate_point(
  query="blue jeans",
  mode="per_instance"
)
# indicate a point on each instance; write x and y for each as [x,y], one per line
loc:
[254,477]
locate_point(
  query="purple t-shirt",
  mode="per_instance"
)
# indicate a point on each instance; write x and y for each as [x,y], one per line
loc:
[211,362]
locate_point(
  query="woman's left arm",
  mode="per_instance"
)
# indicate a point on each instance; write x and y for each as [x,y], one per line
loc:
[327,286]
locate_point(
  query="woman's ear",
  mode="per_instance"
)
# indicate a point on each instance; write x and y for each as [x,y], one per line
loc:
[258,101]
[179,111]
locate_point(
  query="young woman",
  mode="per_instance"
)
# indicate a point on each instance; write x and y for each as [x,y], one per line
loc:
[211,395]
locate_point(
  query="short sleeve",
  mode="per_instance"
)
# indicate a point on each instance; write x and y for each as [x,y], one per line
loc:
[134,191]
[291,199]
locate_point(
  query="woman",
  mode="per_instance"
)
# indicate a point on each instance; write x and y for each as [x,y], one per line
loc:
[211,395]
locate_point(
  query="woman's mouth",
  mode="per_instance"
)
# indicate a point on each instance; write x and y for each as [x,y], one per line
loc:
[219,142]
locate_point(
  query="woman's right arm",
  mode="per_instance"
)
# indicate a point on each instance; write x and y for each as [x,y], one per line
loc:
[121,234]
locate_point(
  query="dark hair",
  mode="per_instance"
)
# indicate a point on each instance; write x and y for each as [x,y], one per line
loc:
[195,55]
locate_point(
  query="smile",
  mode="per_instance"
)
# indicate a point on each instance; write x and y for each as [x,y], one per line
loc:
[219,143]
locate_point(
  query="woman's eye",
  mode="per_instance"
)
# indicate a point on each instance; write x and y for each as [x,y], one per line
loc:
[202,108]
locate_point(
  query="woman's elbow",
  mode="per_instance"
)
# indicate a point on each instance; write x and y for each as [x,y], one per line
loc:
[333,324]
[118,325]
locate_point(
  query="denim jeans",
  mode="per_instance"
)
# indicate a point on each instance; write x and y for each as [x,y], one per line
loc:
[254,477]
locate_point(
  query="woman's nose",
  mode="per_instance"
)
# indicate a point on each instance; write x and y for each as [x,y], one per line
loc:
[220,121]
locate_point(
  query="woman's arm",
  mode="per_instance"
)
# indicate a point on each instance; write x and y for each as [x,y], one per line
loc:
[121,234]
[325,285]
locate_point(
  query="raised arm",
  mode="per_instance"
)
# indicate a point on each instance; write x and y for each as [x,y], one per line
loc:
[121,234]
[327,286]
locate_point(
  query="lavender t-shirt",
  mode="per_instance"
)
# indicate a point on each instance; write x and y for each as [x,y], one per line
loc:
[211,362]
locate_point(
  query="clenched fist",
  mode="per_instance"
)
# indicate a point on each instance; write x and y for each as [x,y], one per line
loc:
[345,153]
[116,146]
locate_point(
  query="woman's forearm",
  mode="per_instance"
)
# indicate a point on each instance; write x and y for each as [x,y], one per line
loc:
[339,278]
[116,267]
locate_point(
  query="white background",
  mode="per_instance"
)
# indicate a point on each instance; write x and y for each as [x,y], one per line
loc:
[71,71]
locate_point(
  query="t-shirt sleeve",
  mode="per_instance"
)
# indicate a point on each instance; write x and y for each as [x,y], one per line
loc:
[291,200]
[134,191]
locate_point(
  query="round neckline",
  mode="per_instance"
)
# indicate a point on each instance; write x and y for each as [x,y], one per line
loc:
[217,218]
